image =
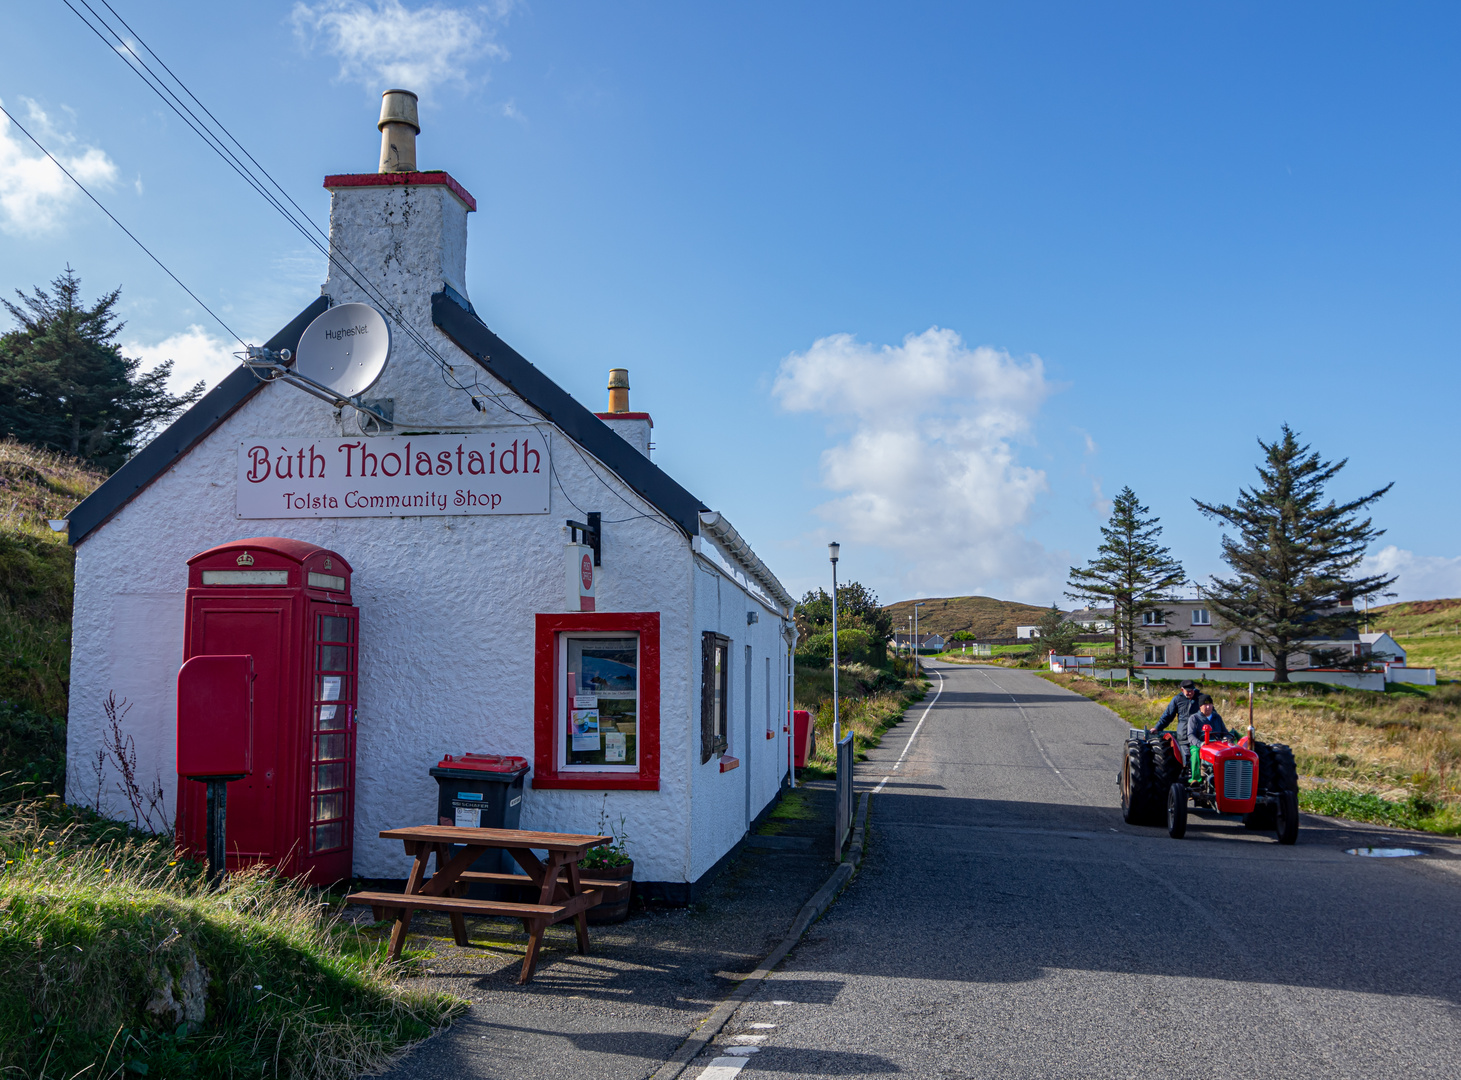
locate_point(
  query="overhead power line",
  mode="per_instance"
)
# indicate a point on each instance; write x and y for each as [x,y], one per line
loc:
[70,176]
[221,141]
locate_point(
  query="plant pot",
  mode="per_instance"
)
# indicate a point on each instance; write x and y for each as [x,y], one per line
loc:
[615,907]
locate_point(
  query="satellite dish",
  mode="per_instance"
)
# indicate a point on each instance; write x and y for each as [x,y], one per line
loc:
[345,349]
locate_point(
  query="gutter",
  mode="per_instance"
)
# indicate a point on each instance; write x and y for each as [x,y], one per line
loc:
[714,525]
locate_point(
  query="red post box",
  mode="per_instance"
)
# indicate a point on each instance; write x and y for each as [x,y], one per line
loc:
[286,604]
[804,741]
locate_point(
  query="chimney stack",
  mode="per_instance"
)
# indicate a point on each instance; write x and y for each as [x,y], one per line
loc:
[618,390]
[399,127]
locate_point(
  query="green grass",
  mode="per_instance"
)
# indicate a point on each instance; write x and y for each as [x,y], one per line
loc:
[1415,812]
[871,700]
[256,979]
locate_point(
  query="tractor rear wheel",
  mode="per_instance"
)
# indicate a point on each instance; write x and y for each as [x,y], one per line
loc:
[1286,780]
[1177,810]
[1140,801]
[1166,771]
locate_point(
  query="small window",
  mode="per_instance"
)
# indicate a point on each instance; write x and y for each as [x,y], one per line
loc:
[601,710]
[1200,654]
[1153,618]
[714,694]
[1250,654]
[1200,617]
[1155,654]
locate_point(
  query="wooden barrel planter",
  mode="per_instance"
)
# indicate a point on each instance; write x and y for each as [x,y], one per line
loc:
[614,908]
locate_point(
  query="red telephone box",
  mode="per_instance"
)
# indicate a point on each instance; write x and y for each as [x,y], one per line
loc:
[287,604]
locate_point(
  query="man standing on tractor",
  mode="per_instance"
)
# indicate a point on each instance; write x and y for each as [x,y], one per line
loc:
[1177,709]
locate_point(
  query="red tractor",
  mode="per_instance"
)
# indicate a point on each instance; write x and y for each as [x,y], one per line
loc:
[1233,776]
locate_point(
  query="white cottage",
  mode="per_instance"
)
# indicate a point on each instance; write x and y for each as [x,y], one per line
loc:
[466,629]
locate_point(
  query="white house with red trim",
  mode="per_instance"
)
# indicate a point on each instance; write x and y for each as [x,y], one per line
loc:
[665,704]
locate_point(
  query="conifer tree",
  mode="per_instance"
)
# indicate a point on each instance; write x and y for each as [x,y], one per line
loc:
[65,385]
[1294,556]
[1057,632]
[1131,572]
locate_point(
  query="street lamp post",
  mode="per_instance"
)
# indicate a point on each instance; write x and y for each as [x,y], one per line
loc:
[915,626]
[832,549]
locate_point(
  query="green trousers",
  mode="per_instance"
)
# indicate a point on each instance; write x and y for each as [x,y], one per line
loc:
[1196,764]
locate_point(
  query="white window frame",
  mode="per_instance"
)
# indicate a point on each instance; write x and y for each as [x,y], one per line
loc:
[1153,618]
[1254,654]
[1201,617]
[560,721]
[1189,653]
[1156,655]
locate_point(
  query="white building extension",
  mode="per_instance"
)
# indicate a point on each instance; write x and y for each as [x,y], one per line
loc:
[464,625]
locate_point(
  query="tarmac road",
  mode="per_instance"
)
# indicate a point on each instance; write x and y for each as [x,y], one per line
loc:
[1006,923]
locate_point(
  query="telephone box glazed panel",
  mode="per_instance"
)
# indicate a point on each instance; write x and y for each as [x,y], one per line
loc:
[287,604]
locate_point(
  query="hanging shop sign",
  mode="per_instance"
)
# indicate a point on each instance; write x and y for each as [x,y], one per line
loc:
[580,576]
[504,471]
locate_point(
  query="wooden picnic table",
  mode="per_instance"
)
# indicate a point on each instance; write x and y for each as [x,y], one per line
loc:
[562,893]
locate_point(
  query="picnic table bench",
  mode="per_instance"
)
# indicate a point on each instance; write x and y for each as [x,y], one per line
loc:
[561,892]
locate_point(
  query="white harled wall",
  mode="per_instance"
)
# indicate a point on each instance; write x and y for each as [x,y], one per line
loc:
[447,603]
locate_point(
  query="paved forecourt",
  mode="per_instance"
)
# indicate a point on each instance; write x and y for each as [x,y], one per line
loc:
[1007,923]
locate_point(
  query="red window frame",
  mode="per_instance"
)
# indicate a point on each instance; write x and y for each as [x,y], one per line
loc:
[545,682]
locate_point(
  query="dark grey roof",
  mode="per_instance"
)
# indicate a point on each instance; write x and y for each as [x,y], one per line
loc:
[184,433]
[454,315]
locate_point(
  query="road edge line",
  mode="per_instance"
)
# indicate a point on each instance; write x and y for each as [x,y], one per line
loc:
[811,911]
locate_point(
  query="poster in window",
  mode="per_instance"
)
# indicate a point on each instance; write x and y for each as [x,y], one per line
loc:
[585,729]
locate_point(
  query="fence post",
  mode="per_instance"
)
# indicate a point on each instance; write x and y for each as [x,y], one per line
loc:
[843,825]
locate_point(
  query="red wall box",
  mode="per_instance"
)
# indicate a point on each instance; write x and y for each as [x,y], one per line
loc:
[545,668]
[287,604]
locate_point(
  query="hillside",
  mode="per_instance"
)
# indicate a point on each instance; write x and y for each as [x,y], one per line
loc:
[36,569]
[983,616]
[1428,630]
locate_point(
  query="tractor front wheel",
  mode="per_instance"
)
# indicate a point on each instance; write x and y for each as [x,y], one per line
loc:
[1286,823]
[1177,810]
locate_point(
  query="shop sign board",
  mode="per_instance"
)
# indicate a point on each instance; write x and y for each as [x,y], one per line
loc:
[580,576]
[503,471]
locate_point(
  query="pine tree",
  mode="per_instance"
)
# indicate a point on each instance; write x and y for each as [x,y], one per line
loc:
[1057,633]
[1132,572]
[1294,556]
[65,385]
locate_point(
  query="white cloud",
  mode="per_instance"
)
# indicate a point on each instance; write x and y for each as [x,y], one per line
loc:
[927,465]
[1418,577]
[196,354]
[35,195]
[383,44]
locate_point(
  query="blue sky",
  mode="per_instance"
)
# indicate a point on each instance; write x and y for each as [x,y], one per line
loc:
[933,280]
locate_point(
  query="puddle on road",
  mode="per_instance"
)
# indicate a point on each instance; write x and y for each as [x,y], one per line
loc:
[1384,852]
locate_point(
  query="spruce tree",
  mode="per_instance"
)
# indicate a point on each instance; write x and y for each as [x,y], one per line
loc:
[65,385]
[1057,632]
[1294,556]
[1131,572]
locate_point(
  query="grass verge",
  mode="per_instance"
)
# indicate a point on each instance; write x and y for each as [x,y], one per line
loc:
[115,959]
[1386,758]
[871,700]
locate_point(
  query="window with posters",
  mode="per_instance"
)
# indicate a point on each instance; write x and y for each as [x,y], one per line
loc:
[600,702]
[596,701]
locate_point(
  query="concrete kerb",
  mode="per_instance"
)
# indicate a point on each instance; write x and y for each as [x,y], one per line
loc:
[811,911]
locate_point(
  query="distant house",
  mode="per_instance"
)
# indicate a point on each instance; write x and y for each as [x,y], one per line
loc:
[1094,620]
[1382,647]
[1027,631]
[1186,635]
[926,642]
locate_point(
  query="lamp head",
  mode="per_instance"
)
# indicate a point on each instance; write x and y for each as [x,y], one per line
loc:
[832,549]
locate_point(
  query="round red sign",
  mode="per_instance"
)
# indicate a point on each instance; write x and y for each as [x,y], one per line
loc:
[586,571]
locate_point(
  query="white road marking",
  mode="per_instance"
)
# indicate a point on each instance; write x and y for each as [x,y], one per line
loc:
[748,1040]
[909,744]
[723,1068]
[762,1027]
[1029,724]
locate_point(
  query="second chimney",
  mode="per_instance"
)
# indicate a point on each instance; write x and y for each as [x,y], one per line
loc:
[618,390]
[399,126]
